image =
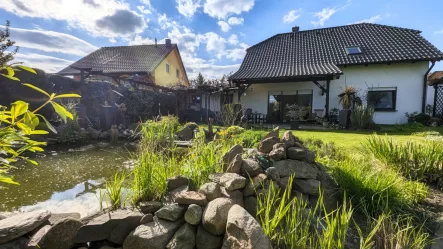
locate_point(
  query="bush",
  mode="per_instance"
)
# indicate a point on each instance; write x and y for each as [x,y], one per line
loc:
[231,114]
[362,116]
[250,138]
[71,133]
[158,135]
[423,118]
[234,130]
[191,125]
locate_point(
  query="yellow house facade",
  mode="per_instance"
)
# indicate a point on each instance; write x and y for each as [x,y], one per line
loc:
[171,70]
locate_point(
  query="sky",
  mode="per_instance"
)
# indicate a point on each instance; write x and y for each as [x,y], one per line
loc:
[212,35]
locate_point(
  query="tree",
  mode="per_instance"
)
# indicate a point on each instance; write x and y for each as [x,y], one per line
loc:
[200,80]
[6,44]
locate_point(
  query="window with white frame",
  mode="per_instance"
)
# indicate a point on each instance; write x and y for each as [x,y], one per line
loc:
[167,68]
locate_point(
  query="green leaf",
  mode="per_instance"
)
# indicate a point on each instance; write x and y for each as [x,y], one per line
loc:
[31,120]
[70,95]
[49,125]
[10,77]
[30,161]
[38,132]
[8,180]
[36,88]
[27,69]
[17,109]
[10,71]
[61,111]
[26,129]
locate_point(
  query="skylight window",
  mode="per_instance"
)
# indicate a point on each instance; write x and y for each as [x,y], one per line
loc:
[353,50]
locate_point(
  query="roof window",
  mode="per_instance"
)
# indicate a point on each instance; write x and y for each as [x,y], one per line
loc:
[353,50]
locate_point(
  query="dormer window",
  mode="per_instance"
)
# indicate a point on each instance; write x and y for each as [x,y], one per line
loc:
[353,50]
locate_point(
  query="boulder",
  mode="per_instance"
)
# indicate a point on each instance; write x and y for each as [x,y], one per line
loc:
[172,195]
[273,133]
[272,174]
[278,152]
[206,240]
[104,135]
[331,199]
[299,169]
[92,133]
[18,243]
[295,153]
[113,226]
[146,219]
[252,153]
[254,184]
[148,207]
[184,238]
[21,224]
[171,212]
[211,190]
[153,235]
[306,186]
[236,196]
[215,177]
[216,214]
[194,214]
[250,205]
[289,139]
[250,167]
[235,165]
[36,240]
[300,196]
[176,182]
[60,216]
[61,234]
[243,231]
[232,181]
[186,134]
[266,145]
[229,156]
[191,197]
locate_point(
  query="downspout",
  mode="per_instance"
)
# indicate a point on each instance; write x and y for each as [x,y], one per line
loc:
[425,87]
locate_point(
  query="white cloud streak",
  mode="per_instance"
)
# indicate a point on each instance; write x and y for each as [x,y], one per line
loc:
[291,16]
[221,9]
[373,19]
[188,7]
[49,64]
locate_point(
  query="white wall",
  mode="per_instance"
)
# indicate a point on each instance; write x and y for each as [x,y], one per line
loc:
[407,77]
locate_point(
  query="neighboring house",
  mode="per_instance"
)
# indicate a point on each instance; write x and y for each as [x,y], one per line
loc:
[311,67]
[157,64]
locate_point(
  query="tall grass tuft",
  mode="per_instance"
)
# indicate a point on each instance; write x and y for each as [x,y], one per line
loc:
[157,135]
[362,116]
[114,189]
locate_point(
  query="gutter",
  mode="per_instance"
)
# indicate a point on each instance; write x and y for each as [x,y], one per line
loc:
[425,87]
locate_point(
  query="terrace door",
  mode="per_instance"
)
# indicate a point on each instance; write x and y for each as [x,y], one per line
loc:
[278,101]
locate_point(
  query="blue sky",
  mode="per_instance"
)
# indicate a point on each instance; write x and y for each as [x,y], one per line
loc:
[212,34]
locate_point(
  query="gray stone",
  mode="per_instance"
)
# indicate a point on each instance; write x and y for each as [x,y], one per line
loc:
[250,167]
[310,156]
[331,199]
[194,214]
[61,234]
[215,177]
[170,197]
[60,216]
[36,241]
[250,205]
[230,155]
[113,226]
[254,184]
[184,238]
[278,152]
[171,212]
[295,153]
[148,207]
[243,231]
[153,235]
[273,133]
[176,182]
[216,214]
[232,181]
[236,196]
[92,133]
[272,174]
[299,169]
[146,219]
[191,197]
[104,135]
[252,153]
[266,145]
[289,139]
[307,186]
[235,165]
[206,240]
[21,224]
[18,243]
[186,134]
[300,196]
[211,190]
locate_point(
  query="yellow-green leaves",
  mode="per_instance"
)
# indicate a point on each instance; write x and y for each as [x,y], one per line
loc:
[18,108]
[36,88]
[49,125]
[31,120]
[61,111]
[27,69]
[70,95]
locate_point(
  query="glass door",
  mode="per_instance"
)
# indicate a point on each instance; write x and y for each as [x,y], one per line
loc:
[274,106]
[279,100]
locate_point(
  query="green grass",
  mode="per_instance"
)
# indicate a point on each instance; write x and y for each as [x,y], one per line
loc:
[114,190]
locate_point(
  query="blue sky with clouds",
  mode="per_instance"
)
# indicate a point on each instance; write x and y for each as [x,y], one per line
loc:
[212,34]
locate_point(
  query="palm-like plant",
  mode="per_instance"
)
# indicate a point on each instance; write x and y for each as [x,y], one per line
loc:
[347,96]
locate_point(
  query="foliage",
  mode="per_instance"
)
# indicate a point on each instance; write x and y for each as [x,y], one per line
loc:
[191,125]
[157,135]
[347,96]
[114,189]
[235,130]
[408,126]
[296,112]
[231,114]
[5,45]
[71,133]
[421,118]
[362,116]
[18,123]
[429,109]
[200,80]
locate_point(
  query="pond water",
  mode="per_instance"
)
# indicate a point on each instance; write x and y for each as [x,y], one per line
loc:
[64,181]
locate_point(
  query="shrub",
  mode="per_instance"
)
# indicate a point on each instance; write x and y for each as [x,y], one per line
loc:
[234,130]
[423,118]
[157,135]
[250,138]
[71,132]
[191,125]
[231,114]
[362,116]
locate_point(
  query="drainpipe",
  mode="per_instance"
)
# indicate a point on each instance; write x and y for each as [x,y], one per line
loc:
[425,87]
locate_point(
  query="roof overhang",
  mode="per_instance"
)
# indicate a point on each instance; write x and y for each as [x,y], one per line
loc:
[291,79]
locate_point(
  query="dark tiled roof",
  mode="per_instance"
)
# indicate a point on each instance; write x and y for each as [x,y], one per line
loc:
[320,51]
[124,59]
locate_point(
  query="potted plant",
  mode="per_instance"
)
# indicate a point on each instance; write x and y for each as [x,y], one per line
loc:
[296,113]
[347,98]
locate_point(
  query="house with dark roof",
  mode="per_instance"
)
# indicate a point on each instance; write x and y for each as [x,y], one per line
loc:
[311,68]
[149,65]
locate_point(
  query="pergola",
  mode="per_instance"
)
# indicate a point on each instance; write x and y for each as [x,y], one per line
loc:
[435,79]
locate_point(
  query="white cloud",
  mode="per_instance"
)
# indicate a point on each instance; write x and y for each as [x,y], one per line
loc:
[224,26]
[237,53]
[166,23]
[323,16]
[47,63]
[215,43]
[291,16]
[138,40]
[188,7]
[112,40]
[108,18]
[221,9]
[235,20]
[143,9]
[233,39]
[373,19]
[50,41]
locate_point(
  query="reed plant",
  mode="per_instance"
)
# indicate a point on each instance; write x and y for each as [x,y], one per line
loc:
[362,117]
[114,189]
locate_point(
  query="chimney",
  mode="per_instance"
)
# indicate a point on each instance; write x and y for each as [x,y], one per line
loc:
[295,29]
[156,42]
[168,42]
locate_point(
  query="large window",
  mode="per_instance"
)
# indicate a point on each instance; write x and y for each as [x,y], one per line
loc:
[383,98]
[278,100]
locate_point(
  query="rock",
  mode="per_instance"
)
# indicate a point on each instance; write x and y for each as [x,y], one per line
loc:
[61,234]
[254,184]
[60,216]
[306,186]
[299,169]
[92,133]
[243,231]
[250,167]
[102,244]
[211,190]
[250,205]
[172,195]
[289,139]
[296,153]
[36,241]
[148,207]
[21,224]
[18,243]
[235,165]
[284,182]
[154,235]
[191,197]
[113,226]
[104,135]
[300,196]
[272,174]
[146,219]
[265,146]
[252,153]
[194,214]
[230,155]
[331,199]
[176,182]
[310,156]
[206,240]
[216,214]
[278,152]
[186,134]
[232,181]
[273,133]
[184,238]
[236,196]
[171,212]
[215,177]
